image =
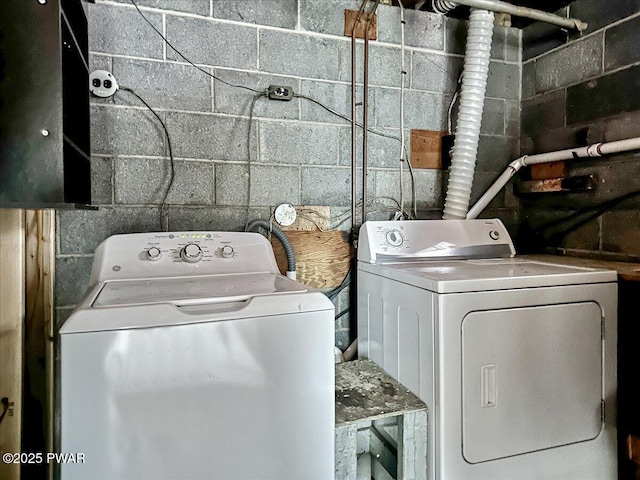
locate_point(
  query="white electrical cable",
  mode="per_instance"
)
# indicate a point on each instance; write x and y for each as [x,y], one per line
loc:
[592,151]
[402,75]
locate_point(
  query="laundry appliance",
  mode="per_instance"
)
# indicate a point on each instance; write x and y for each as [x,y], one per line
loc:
[515,358]
[192,357]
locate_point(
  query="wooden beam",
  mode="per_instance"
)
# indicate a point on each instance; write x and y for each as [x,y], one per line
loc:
[11,335]
[38,355]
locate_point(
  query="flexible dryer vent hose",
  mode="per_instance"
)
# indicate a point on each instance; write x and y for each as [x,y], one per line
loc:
[472,94]
[284,240]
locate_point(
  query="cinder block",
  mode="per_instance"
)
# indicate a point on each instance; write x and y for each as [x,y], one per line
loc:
[211,136]
[224,219]
[528,79]
[336,96]
[513,45]
[504,81]
[77,238]
[429,187]
[512,118]
[540,37]
[481,182]
[342,341]
[298,143]
[423,110]
[213,43]
[383,152]
[275,13]
[101,180]
[599,14]
[273,185]
[71,280]
[198,7]
[422,29]
[122,31]
[231,184]
[499,43]
[326,16]
[164,85]
[236,101]
[436,73]
[493,117]
[576,62]
[543,112]
[125,131]
[385,65]
[605,96]
[622,44]
[192,185]
[287,53]
[455,35]
[495,153]
[331,186]
[345,452]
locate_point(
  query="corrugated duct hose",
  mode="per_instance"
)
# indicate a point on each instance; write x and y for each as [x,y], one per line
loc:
[280,235]
[472,94]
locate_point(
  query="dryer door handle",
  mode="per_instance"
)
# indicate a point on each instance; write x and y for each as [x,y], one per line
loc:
[489,388]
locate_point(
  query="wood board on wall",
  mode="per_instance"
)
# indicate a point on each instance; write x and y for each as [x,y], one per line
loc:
[426,149]
[11,334]
[322,258]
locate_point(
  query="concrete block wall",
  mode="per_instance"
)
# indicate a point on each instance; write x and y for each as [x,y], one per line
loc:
[298,152]
[582,91]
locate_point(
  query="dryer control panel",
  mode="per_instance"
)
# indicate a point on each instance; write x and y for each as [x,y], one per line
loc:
[174,254]
[419,240]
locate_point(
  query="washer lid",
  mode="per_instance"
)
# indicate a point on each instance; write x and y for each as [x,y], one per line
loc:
[457,276]
[194,290]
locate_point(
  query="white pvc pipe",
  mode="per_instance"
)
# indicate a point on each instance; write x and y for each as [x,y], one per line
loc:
[443,6]
[592,151]
[472,93]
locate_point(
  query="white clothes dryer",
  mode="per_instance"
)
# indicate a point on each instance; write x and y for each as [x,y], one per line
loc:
[515,359]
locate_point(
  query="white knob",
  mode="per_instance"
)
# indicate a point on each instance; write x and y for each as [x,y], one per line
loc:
[191,253]
[227,251]
[154,254]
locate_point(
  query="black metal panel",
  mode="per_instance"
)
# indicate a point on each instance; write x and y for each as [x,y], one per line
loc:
[33,100]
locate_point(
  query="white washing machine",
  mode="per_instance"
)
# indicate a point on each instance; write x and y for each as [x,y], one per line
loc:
[191,357]
[515,359]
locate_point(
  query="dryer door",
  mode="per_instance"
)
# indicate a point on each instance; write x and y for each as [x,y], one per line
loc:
[532,379]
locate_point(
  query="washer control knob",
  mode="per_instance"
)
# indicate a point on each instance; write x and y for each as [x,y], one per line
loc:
[191,253]
[394,238]
[227,251]
[494,235]
[154,254]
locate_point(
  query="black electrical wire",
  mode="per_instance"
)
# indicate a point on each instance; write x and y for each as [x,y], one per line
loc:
[342,313]
[593,211]
[249,129]
[333,293]
[185,58]
[344,117]
[164,220]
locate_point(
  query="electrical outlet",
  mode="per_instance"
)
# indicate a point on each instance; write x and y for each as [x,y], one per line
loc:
[279,92]
[102,83]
